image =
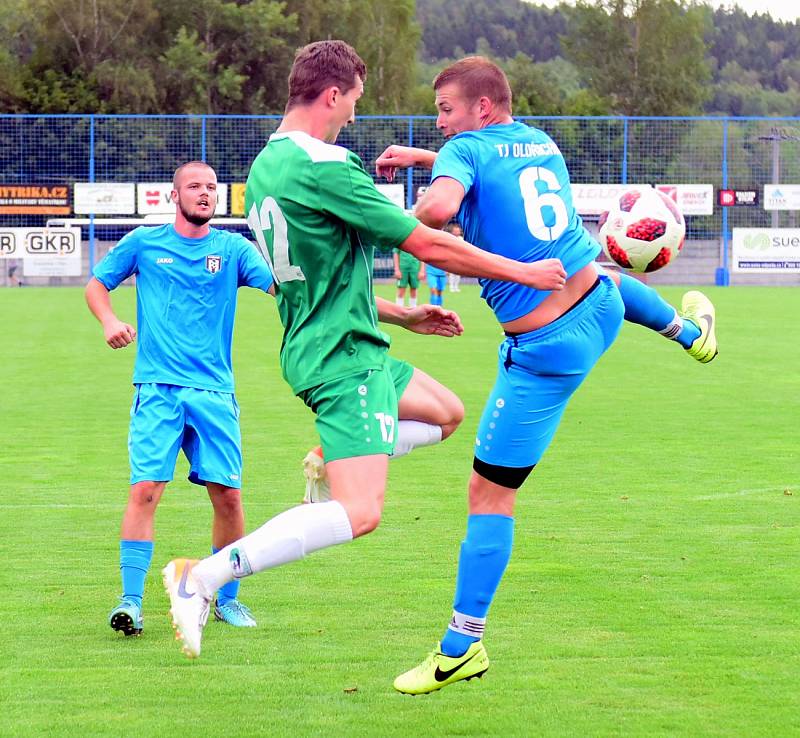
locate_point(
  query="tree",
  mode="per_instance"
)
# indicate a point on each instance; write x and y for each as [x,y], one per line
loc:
[646,57]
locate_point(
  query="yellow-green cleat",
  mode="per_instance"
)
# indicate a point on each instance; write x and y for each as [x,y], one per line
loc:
[696,307]
[438,670]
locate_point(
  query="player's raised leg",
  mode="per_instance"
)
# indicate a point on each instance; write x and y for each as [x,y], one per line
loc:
[429,412]
[697,308]
[643,305]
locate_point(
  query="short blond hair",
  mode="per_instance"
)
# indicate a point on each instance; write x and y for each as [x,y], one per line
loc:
[477,77]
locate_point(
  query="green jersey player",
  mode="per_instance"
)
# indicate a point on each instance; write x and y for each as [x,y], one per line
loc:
[316,215]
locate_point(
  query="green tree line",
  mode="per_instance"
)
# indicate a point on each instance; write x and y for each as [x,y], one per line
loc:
[635,57]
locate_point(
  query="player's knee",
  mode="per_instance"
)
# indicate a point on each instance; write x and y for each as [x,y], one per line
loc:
[454,411]
[364,516]
[145,494]
[227,502]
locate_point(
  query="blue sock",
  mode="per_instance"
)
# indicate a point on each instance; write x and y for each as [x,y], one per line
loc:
[229,591]
[484,556]
[643,305]
[134,561]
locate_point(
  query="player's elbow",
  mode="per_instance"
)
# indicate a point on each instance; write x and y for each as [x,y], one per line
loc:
[434,212]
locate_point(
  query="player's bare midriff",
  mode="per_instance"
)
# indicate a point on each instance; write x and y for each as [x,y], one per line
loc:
[556,303]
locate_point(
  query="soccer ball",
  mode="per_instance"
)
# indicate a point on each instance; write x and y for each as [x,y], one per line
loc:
[643,231]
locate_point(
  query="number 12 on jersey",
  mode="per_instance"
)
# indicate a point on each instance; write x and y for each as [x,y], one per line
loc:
[270,218]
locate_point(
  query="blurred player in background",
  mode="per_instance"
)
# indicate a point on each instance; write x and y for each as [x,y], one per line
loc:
[187,277]
[454,280]
[408,271]
[509,187]
[316,213]
[436,278]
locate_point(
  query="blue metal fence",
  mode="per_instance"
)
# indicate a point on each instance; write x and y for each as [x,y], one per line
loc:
[727,152]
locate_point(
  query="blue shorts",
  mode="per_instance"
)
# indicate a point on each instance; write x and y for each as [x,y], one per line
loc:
[437,281]
[537,374]
[205,424]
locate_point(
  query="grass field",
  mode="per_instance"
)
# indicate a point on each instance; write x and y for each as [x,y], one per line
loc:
[653,590]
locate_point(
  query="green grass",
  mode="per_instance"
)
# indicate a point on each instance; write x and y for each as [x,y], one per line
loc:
[653,590]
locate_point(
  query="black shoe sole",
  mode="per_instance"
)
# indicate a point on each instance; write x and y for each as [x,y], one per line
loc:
[123,622]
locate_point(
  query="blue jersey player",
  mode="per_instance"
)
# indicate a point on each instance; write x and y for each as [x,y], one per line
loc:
[187,277]
[508,186]
[436,279]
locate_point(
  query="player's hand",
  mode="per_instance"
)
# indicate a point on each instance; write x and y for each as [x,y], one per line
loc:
[547,274]
[394,158]
[119,334]
[397,275]
[433,320]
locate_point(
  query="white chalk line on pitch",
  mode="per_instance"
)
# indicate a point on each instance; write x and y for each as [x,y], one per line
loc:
[744,492]
[85,506]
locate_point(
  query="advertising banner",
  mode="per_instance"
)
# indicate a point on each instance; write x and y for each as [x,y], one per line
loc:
[691,199]
[781,197]
[156,197]
[34,199]
[595,199]
[735,198]
[105,198]
[394,192]
[19,243]
[53,266]
[766,250]
[237,199]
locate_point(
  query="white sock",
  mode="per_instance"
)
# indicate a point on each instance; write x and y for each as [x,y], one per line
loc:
[412,434]
[399,301]
[412,302]
[289,536]
[673,329]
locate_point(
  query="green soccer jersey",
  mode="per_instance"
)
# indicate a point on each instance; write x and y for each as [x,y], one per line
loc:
[317,217]
[407,262]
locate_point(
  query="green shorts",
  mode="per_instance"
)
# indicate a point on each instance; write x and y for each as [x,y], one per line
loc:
[409,278]
[357,414]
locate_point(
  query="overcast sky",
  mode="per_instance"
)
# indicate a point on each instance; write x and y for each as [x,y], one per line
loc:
[787,10]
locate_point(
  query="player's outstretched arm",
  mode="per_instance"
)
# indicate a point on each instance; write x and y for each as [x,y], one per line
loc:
[117,333]
[456,255]
[424,319]
[402,157]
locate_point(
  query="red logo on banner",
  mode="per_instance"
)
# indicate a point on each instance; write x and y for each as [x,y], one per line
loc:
[727,197]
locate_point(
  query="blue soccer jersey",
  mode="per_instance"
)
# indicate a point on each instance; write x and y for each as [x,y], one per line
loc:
[185,301]
[518,204]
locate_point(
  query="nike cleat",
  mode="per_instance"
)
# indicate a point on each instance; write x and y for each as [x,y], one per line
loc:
[234,613]
[438,670]
[127,617]
[189,606]
[696,307]
[317,487]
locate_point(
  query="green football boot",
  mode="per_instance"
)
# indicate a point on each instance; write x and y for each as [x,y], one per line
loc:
[696,307]
[438,670]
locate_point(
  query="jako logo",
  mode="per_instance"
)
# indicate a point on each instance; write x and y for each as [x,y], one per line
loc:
[164,260]
[756,241]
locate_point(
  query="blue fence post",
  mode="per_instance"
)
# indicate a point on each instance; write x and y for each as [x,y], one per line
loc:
[722,278]
[203,138]
[625,150]
[410,170]
[91,179]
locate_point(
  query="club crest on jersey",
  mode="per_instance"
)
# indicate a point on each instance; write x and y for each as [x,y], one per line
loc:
[213,263]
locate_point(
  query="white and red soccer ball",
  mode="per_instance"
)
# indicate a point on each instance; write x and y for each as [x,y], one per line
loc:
[643,231]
